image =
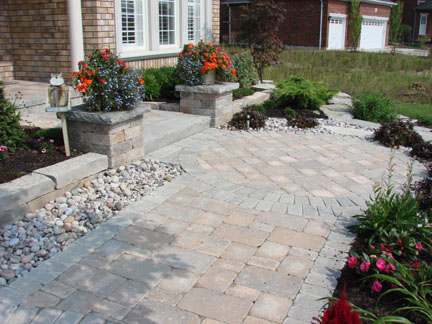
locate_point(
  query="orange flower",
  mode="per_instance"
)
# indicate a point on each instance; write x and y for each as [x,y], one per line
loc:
[141,81]
[234,72]
[88,82]
[82,87]
[190,46]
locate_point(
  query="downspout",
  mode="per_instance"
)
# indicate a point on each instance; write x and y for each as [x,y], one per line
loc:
[321,25]
[76,37]
[229,25]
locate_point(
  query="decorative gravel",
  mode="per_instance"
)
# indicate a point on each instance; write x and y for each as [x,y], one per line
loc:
[40,235]
[281,125]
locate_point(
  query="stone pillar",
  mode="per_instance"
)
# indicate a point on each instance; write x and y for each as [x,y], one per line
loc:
[76,35]
[118,135]
[215,101]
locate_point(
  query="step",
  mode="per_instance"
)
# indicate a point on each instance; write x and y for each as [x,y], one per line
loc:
[162,128]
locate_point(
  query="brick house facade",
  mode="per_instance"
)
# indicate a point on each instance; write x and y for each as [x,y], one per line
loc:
[35,35]
[315,23]
[418,15]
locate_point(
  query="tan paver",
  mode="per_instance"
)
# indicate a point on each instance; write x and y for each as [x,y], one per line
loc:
[297,239]
[217,279]
[210,304]
[241,234]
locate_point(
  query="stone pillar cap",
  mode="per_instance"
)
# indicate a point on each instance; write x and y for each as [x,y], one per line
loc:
[218,88]
[79,113]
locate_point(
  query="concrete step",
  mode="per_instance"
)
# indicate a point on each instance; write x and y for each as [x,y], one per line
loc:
[162,128]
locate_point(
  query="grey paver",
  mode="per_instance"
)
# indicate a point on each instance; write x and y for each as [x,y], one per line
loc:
[155,312]
[68,317]
[47,315]
[272,308]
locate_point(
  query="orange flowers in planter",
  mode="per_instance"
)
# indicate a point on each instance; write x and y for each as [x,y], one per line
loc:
[211,57]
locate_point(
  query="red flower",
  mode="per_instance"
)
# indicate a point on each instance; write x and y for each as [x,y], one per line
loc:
[340,313]
[233,72]
[102,81]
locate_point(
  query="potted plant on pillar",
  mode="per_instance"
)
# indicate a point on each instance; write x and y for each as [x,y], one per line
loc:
[199,69]
[204,63]
[107,122]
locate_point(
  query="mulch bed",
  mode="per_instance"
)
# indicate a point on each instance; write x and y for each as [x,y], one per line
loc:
[31,157]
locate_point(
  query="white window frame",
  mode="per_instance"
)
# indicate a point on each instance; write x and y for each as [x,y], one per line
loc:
[426,17]
[151,46]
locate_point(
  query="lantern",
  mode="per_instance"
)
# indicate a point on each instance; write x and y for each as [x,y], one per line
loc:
[59,102]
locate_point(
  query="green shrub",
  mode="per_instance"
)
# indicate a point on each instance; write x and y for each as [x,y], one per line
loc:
[394,219]
[243,64]
[160,83]
[11,134]
[242,92]
[397,133]
[299,93]
[249,117]
[373,107]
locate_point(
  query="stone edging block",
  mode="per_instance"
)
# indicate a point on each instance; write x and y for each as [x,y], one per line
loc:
[24,189]
[75,169]
[17,196]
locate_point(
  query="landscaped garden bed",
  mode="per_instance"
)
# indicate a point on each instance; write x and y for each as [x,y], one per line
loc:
[40,148]
[388,277]
[406,80]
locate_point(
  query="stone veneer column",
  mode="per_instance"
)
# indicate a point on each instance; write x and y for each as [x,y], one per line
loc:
[118,135]
[215,101]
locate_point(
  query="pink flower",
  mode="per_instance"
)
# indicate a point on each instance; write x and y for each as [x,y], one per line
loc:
[390,268]
[364,267]
[376,286]
[381,264]
[419,246]
[3,149]
[352,262]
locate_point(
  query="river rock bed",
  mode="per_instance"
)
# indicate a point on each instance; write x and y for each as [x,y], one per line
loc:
[42,234]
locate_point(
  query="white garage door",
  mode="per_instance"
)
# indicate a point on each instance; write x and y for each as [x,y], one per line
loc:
[337,32]
[373,34]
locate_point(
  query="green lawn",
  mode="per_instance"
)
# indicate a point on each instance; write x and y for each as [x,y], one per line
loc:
[407,80]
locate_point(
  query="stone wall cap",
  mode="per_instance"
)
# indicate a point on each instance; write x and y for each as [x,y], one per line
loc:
[78,113]
[218,88]
[75,169]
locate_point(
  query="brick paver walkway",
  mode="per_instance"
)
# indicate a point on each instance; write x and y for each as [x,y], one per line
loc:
[253,233]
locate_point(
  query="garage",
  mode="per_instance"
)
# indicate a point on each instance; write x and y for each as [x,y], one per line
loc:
[373,33]
[337,32]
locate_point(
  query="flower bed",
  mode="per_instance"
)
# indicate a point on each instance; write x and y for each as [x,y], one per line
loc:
[41,148]
[388,274]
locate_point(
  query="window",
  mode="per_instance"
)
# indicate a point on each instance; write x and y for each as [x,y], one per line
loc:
[193,20]
[167,21]
[146,27]
[131,23]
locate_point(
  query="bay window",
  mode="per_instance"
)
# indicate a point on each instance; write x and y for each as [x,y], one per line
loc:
[147,27]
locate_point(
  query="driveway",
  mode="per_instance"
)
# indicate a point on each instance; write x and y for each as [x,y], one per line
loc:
[255,232]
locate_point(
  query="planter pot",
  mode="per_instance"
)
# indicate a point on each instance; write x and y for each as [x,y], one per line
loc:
[118,135]
[210,78]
